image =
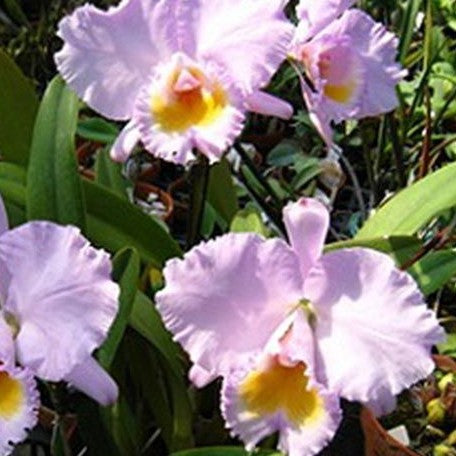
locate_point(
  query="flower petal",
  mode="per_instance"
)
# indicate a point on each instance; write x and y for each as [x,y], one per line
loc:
[307,223]
[269,105]
[226,297]
[90,378]
[373,317]
[377,49]
[107,56]
[249,38]
[61,295]
[249,400]
[316,15]
[7,355]
[19,402]
[125,142]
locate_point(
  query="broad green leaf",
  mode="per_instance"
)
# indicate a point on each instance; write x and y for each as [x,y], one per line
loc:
[93,430]
[225,451]
[284,154]
[221,192]
[53,184]
[145,319]
[434,270]
[126,269]
[248,220]
[18,107]
[112,222]
[449,346]
[147,322]
[115,223]
[400,248]
[109,174]
[98,130]
[414,206]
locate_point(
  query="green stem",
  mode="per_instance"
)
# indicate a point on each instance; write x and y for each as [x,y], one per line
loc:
[198,179]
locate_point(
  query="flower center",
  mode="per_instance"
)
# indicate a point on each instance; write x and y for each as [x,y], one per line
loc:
[282,388]
[11,396]
[188,99]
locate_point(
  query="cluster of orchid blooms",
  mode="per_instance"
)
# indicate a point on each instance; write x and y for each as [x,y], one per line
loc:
[290,330]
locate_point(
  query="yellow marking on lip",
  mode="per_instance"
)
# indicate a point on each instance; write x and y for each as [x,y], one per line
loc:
[11,396]
[282,388]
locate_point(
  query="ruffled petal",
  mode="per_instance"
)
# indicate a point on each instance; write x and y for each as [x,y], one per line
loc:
[200,377]
[125,142]
[60,294]
[314,16]
[19,403]
[269,105]
[107,56]
[250,38]
[258,402]
[307,223]
[371,316]
[226,297]
[90,378]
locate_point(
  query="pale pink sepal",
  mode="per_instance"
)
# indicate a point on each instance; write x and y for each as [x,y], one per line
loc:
[269,105]
[90,378]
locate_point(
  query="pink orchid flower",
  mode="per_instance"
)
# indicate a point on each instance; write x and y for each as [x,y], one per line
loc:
[348,61]
[57,303]
[291,330]
[182,72]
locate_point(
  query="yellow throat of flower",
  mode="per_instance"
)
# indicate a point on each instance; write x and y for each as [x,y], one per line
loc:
[11,396]
[284,389]
[186,104]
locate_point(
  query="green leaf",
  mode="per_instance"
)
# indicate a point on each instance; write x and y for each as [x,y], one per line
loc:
[98,130]
[59,445]
[221,192]
[146,320]
[12,190]
[53,184]
[284,154]
[115,223]
[400,248]
[248,220]
[109,174]
[18,107]
[126,269]
[449,346]
[224,451]
[434,270]
[407,27]
[414,206]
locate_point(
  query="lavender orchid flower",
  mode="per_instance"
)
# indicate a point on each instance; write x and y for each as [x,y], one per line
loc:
[349,63]
[182,72]
[291,330]
[57,303]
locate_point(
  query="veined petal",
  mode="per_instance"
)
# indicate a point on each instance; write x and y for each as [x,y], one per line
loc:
[107,56]
[19,402]
[307,223]
[226,297]
[90,378]
[250,38]
[315,15]
[269,105]
[272,397]
[371,316]
[61,296]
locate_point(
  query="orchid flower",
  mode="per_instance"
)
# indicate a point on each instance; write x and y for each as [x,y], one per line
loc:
[57,303]
[291,330]
[181,72]
[346,63]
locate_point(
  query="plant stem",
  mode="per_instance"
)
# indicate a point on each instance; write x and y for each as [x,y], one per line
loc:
[198,179]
